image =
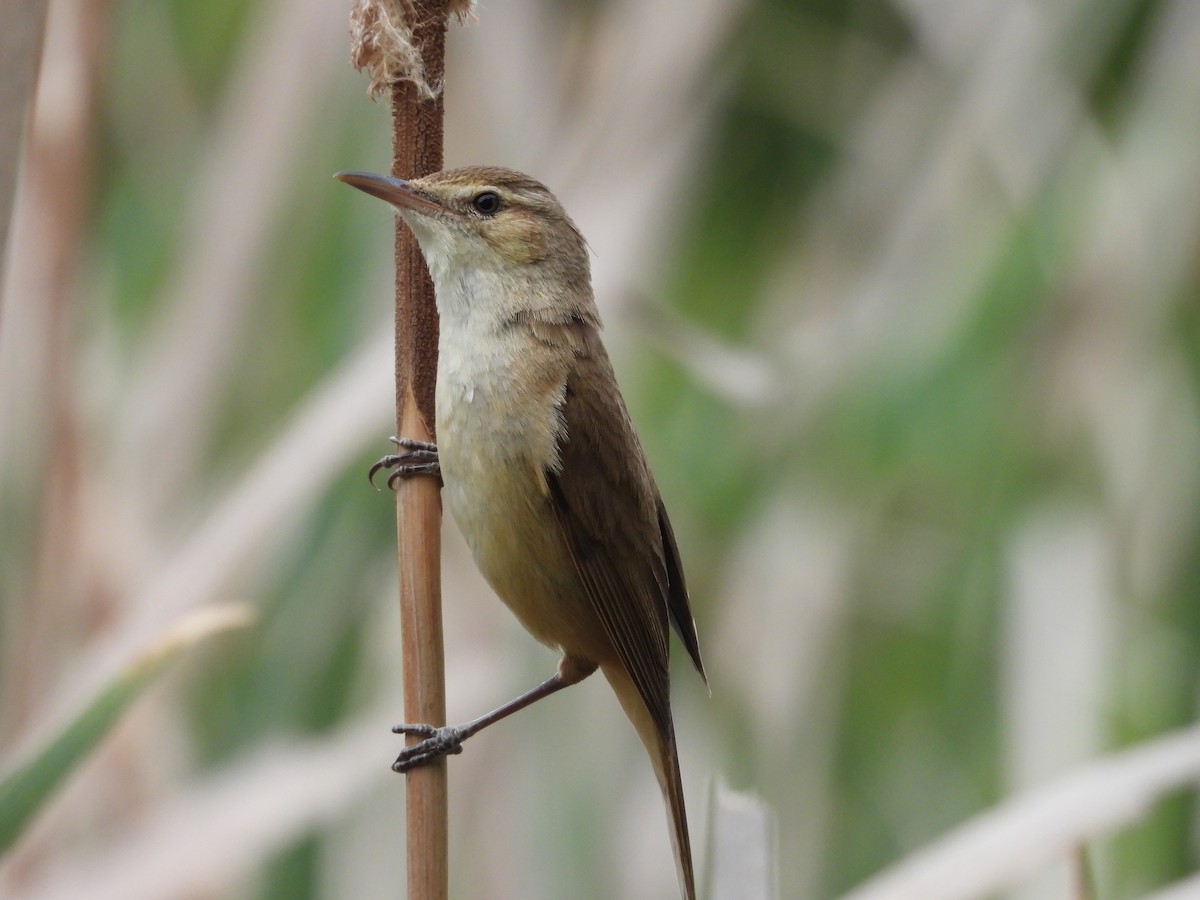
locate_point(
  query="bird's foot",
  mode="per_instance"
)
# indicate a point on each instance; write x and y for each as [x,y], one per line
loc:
[419,458]
[438,742]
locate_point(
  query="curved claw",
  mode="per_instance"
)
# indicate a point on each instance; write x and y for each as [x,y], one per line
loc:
[438,742]
[419,458]
[382,463]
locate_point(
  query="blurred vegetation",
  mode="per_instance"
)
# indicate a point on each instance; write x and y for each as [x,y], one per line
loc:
[905,299]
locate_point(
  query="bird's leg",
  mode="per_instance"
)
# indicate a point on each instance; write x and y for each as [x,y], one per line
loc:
[448,739]
[419,458]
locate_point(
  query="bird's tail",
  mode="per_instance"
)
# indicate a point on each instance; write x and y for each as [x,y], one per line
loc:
[665,758]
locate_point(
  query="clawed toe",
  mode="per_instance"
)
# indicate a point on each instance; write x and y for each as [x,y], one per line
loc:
[420,458]
[438,742]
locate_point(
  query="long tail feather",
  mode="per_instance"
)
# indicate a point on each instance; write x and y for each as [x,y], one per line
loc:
[665,758]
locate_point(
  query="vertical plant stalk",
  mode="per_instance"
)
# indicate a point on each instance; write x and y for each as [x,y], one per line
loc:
[417,150]
[401,45]
[58,174]
[21,28]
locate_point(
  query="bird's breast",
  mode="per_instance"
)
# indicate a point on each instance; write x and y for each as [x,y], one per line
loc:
[499,424]
[499,403]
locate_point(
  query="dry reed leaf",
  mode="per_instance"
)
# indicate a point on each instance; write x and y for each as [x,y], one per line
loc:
[207,835]
[1008,843]
[1187,889]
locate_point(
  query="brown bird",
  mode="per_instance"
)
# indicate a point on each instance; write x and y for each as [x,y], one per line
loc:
[541,467]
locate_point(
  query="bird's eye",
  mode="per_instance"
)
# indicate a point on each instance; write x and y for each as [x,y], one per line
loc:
[486,203]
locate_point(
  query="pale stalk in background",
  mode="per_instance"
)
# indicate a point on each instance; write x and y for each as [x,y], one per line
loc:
[21,27]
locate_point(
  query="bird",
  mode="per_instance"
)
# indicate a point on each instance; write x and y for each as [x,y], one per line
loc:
[541,467]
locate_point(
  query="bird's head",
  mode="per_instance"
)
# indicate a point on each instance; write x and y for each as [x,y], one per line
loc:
[486,219]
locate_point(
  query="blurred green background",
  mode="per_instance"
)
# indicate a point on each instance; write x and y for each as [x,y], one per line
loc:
[905,300]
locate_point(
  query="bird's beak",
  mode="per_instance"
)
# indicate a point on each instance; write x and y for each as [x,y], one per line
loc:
[396,191]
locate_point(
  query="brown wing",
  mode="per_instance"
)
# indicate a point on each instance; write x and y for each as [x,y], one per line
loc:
[610,514]
[678,607]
